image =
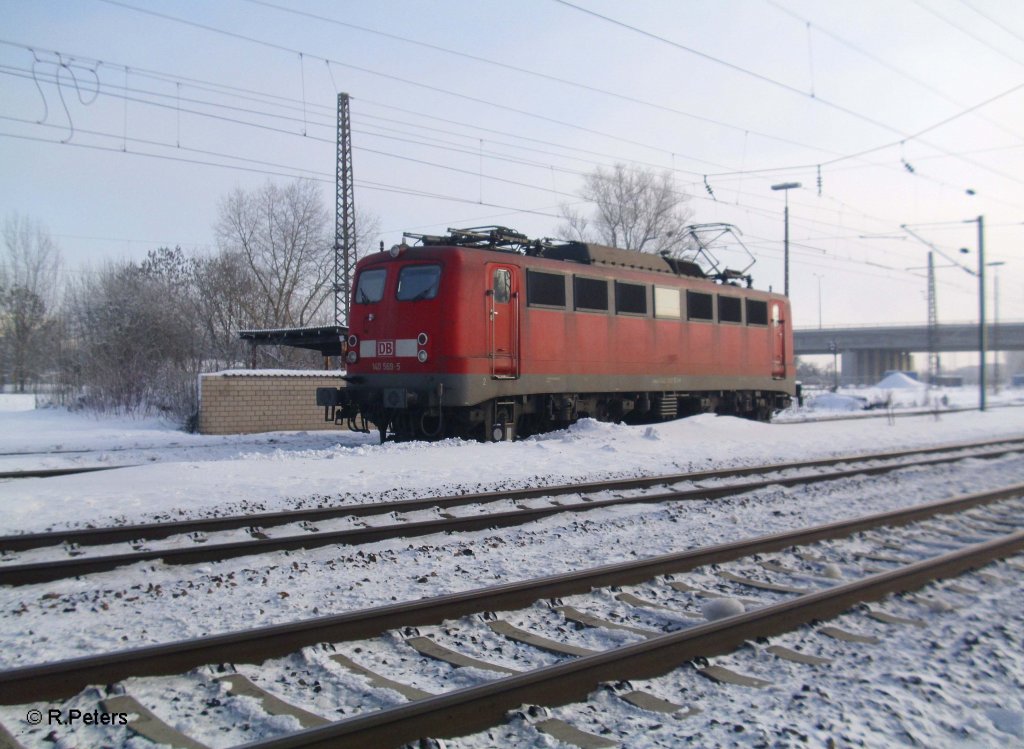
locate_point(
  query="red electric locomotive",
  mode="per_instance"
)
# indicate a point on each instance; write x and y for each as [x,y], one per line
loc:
[485,334]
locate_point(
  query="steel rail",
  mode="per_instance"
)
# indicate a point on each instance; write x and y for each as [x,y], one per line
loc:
[48,571]
[141,448]
[881,413]
[153,531]
[476,708]
[45,473]
[60,679]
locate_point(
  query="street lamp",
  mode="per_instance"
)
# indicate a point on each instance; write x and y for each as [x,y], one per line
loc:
[786,187]
[982,336]
[818,276]
[834,350]
[995,325]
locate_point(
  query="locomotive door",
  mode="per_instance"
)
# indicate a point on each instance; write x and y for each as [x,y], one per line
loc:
[503,321]
[778,343]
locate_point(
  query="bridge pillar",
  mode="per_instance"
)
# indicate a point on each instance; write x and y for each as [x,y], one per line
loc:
[866,366]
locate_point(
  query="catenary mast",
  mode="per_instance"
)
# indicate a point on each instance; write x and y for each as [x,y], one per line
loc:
[345,215]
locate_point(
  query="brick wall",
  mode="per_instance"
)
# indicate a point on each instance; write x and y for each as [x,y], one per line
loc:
[244,402]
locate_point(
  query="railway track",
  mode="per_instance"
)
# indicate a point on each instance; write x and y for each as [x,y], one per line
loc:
[152,453]
[648,604]
[306,535]
[477,708]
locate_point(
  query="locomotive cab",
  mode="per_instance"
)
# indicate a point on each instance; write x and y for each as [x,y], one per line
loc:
[408,343]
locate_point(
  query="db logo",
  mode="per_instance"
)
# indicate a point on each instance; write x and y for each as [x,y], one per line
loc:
[385,348]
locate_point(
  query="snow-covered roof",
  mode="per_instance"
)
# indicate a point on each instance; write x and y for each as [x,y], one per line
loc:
[277,373]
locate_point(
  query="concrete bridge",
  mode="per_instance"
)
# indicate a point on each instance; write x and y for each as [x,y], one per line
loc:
[867,351]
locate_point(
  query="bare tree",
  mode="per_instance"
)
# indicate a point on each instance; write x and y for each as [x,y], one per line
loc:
[29,270]
[228,299]
[284,234]
[367,232]
[634,208]
[133,341]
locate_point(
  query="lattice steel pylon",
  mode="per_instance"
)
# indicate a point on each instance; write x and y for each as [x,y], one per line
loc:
[934,364]
[344,217]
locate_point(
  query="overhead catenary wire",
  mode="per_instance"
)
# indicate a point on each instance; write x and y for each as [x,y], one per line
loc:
[289,132]
[389,76]
[754,171]
[836,158]
[1001,26]
[779,84]
[861,267]
[178,99]
[328,112]
[133,75]
[479,100]
[277,169]
[246,110]
[934,126]
[888,65]
[329,141]
[533,73]
[327,179]
[961,29]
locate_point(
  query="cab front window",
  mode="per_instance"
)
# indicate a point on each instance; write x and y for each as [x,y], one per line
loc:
[417,282]
[370,287]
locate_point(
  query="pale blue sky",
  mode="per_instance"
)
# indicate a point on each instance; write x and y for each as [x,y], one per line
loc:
[726,92]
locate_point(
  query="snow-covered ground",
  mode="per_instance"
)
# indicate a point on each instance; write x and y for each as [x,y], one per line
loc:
[175,474]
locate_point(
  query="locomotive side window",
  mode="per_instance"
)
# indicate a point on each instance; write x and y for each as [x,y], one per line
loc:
[370,287]
[757,312]
[666,302]
[545,289]
[730,309]
[699,306]
[502,286]
[630,298]
[417,282]
[590,293]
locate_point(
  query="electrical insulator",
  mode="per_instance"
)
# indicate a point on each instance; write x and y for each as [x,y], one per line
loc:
[708,188]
